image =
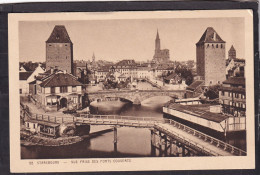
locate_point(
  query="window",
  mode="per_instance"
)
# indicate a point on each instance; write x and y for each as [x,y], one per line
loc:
[236,95]
[52,90]
[210,82]
[63,89]
[218,82]
[217,46]
[230,103]
[221,46]
[243,96]
[75,99]
[74,89]
[21,91]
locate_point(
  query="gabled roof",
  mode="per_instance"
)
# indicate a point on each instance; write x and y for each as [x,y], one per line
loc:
[24,75]
[60,79]
[59,35]
[210,36]
[195,84]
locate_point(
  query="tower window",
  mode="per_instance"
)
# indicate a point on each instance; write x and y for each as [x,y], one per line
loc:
[49,44]
[217,46]
[221,46]
[213,45]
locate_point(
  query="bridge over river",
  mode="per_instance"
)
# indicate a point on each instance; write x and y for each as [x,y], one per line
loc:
[164,133]
[135,96]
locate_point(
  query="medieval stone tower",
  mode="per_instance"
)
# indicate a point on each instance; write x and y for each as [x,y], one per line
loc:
[59,50]
[210,52]
[160,56]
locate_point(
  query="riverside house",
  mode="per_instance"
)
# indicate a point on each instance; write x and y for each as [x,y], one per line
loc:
[59,90]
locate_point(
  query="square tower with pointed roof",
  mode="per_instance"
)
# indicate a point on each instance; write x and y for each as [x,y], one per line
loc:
[59,50]
[211,61]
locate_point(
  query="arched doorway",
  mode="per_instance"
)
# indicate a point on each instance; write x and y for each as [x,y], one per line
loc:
[63,103]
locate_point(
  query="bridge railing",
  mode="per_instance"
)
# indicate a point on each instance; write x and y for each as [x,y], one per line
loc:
[53,119]
[118,117]
[225,146]
[187,140]
[129,91]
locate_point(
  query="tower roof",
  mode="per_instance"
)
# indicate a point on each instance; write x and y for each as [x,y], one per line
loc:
[210,36]
[232,48]
[59,35]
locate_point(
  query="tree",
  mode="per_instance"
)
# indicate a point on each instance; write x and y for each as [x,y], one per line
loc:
[185,73]
[212,92]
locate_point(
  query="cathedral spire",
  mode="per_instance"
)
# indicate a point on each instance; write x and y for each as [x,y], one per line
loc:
[93,57]
[157,36]
[157,42]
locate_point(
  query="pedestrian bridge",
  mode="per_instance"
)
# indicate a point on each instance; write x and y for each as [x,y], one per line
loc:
[167,132]
[135,96]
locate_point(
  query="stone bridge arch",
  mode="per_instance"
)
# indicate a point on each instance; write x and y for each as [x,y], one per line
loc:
[137,96]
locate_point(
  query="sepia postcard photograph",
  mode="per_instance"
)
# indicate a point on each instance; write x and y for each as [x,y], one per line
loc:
[129,91]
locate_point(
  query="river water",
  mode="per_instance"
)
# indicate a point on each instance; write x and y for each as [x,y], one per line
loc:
[132,142]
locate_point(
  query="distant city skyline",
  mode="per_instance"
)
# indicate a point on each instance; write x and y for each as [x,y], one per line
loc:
[114,40]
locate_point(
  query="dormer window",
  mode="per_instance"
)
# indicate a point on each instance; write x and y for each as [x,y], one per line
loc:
[57,37]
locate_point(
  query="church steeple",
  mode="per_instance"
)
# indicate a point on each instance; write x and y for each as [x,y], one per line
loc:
[93,57]
[157,42]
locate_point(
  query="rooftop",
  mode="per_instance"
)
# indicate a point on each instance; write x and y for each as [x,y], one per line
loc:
[24,75]
[199,111]
[60,79]
[172,76]
[210,36]
[195,84]
[59,35]
[235,81]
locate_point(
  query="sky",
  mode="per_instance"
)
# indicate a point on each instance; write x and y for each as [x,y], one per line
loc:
[114,40]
